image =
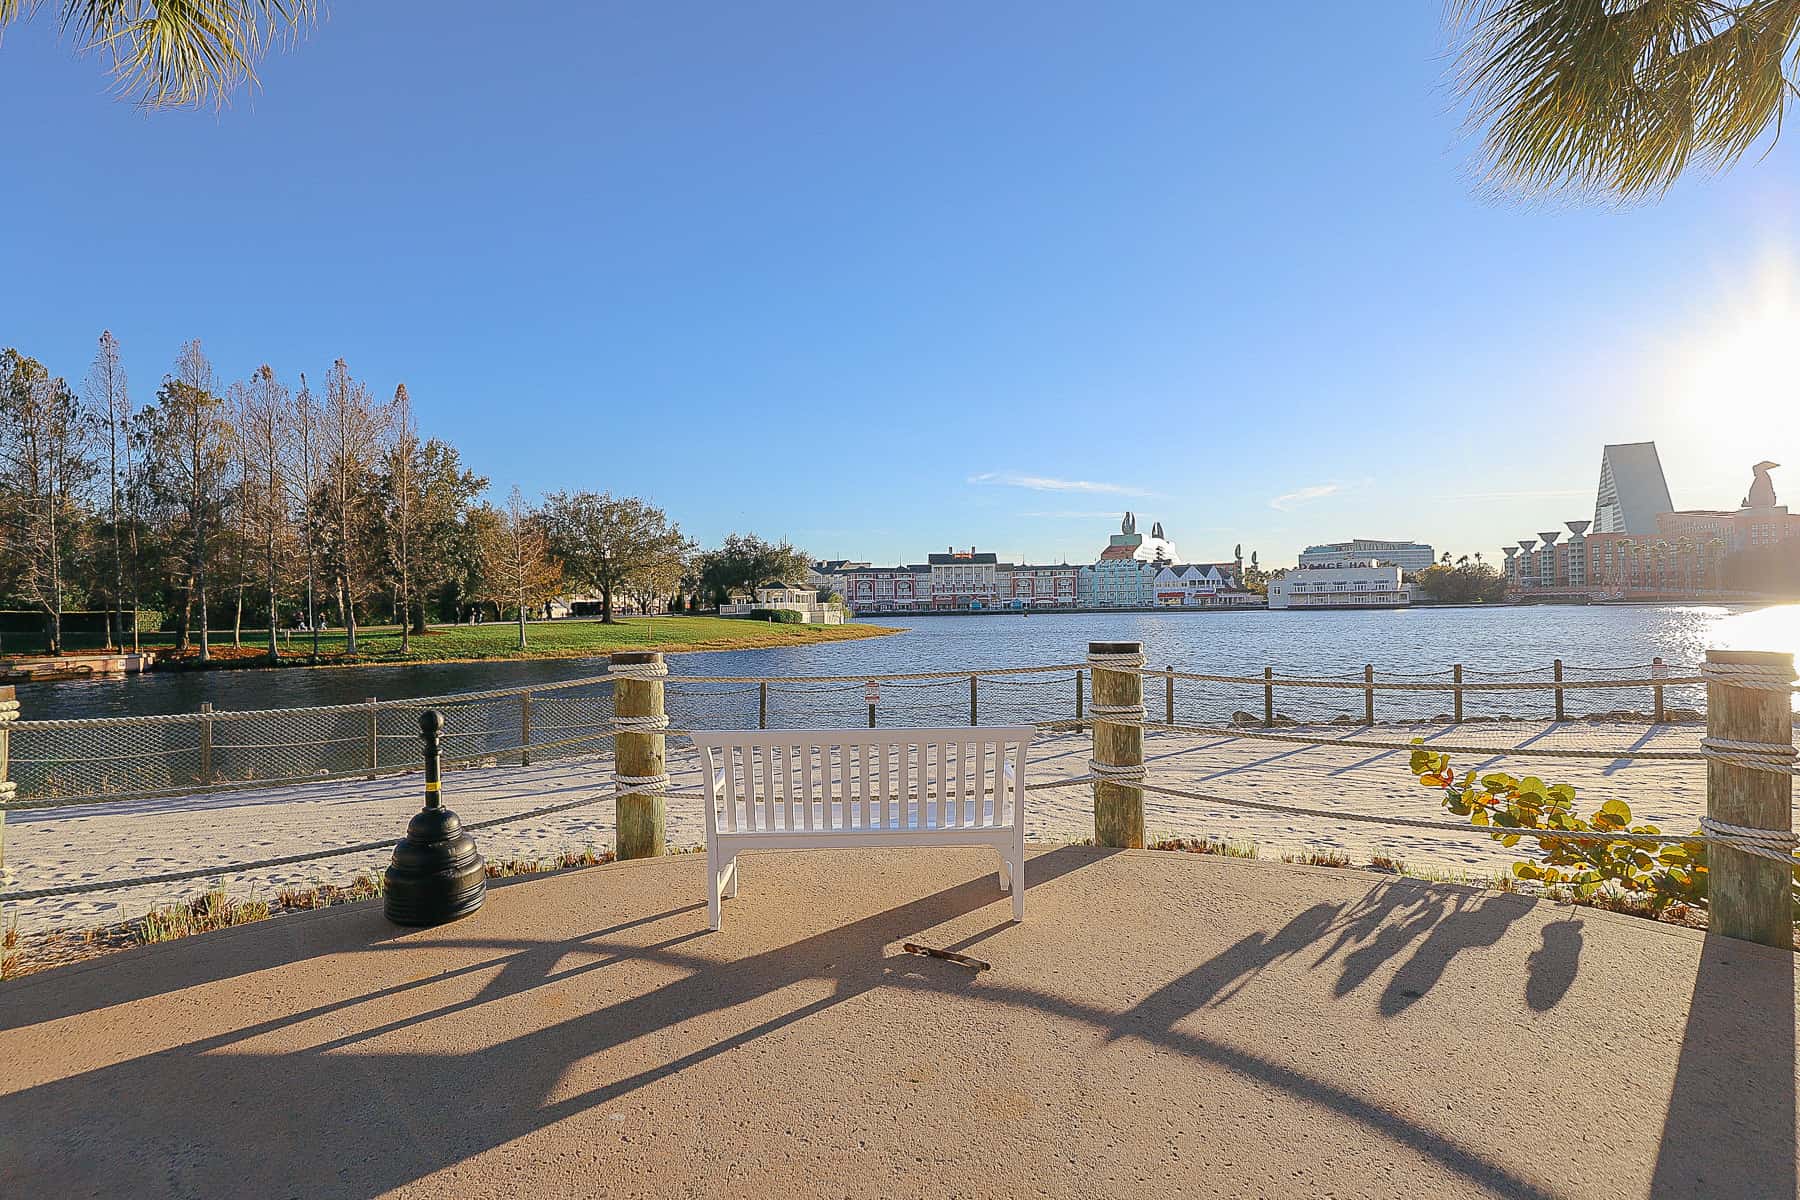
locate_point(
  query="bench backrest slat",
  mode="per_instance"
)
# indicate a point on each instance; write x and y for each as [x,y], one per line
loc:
[835,780]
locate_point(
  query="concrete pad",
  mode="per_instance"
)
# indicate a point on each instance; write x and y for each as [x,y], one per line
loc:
[1161,1025]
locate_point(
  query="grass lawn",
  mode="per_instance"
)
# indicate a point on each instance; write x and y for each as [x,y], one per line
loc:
[572,638]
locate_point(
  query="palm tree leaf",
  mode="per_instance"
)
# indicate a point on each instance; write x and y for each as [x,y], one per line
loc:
[177,52]
[1619,98]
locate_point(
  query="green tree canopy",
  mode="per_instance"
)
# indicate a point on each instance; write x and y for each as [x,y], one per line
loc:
[744,562]
[605,541]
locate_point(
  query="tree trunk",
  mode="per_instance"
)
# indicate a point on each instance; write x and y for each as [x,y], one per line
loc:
[185,639]
[349,606]
[606,616]
[274,645]
[521,619]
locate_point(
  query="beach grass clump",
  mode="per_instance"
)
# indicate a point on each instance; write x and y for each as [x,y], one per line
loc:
[10,957]
[563,860]
[1190,845]
[1319,858]
[1387,864]
[212,909]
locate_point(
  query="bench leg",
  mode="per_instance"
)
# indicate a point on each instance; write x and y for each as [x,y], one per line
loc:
[1006,873]
[730,875]
[713,914]
[1018,889]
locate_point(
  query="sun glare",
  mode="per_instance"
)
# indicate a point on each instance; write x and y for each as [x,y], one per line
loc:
[1739,375]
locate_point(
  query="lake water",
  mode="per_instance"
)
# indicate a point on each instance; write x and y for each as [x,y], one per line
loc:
[1416,642]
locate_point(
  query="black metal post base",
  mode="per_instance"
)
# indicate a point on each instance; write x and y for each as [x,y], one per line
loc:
[436,875]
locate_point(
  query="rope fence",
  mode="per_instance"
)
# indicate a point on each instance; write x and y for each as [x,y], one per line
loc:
[211,750]
[63,763]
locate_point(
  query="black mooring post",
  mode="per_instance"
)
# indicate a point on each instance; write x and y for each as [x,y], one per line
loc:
[436,874]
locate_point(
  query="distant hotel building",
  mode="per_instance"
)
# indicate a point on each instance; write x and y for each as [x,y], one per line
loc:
[1124,576]
[1341,585]
[1204,585]
[1637,545]
[1408,556]
[973,581]
[1134,571]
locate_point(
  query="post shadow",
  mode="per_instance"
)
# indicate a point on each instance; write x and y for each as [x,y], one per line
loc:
[1730,1126]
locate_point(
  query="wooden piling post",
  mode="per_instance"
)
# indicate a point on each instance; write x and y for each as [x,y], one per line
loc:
[1368,694]
[1078,695]
[1169,696]
[1657,671]
[1456,687]
[1556,669]
[373,735]
[1750,896]
[638,753]
[9,712]
[525,729]
[974,703]
[206,742]
[1268,697]
[762,705]
[1118,741]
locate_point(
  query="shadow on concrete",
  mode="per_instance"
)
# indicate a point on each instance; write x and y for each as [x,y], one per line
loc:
[145,971]
[156,1125]
[1730,1128]
[1431,925]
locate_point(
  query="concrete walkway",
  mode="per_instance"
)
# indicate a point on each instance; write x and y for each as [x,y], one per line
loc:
[1161,1025]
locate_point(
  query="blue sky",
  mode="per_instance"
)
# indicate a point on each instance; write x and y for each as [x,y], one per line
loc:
[882,279]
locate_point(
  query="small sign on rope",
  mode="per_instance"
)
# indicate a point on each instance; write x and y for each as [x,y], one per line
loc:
[872,692]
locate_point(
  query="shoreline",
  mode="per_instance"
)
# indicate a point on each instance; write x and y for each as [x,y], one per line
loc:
[300,660]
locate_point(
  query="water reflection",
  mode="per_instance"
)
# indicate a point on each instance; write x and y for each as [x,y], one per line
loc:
[1417,641]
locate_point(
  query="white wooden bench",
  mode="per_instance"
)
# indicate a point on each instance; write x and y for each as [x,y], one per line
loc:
[817,789]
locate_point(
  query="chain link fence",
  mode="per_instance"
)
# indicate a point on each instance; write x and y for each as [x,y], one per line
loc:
[61,762]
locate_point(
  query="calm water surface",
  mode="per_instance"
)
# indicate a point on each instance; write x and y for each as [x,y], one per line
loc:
[1402,641]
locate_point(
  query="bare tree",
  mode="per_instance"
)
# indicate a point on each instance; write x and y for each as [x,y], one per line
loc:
[403,502]
[237,483]
[109,401]
[43,465]
[263,431]
[190,454]
[516,565]
[303,473]
[353,431]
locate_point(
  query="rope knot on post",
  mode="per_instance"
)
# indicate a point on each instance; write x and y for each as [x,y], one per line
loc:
[639,670]
[1757,756]
[1764,843]
[1116,660]
[1116,774]
[640,785]
[641,724]
[1761,677]
[1118,714]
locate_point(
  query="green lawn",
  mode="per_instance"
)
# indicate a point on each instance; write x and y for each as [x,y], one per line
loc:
[498,640]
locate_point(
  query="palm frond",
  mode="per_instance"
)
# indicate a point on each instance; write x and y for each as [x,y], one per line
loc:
[169,53]
[1618,98]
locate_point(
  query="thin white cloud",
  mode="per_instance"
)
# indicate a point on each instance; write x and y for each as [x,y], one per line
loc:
[1072,514]
[1047,483]
[1545,494]
[1288,501]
